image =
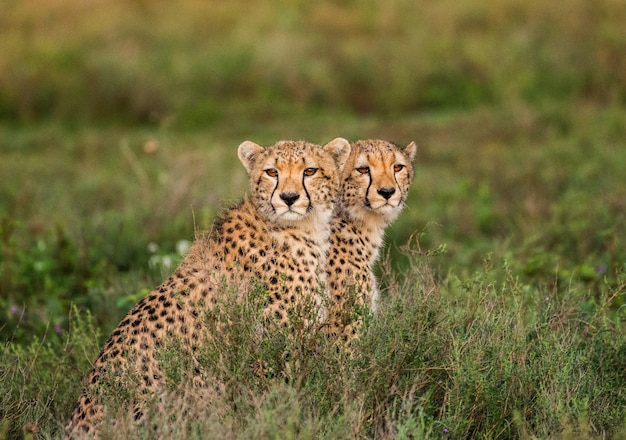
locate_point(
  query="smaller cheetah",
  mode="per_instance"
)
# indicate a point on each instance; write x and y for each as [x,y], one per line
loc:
[278,237]
[375,182]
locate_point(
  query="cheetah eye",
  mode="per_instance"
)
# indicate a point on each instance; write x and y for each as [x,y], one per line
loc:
[363,170]
[271,172]
[310,171]
[397,168]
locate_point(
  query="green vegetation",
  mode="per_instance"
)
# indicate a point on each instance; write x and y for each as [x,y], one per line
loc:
[505,278]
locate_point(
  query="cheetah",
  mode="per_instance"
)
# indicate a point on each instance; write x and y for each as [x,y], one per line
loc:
[278,235]
[375,182]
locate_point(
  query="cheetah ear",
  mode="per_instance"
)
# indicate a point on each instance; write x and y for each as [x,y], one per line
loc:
[339,149]
[247,151]
[410,150]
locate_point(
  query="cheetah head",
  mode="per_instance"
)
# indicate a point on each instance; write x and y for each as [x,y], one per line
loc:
[295,181]
[376,180]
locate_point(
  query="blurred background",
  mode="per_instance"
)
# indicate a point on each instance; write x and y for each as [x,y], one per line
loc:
[120,120]
[196,63]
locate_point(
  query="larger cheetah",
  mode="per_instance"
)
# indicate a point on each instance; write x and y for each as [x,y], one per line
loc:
[278,236]
[375,182]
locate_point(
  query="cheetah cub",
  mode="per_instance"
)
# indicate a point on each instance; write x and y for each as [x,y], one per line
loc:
[278,236]
[375,182]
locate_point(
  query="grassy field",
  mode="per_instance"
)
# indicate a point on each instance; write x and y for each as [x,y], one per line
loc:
[504,280]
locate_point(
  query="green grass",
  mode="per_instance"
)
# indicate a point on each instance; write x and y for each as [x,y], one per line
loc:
[504,279]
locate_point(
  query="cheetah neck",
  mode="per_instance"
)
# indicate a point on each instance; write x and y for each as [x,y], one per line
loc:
[370,227]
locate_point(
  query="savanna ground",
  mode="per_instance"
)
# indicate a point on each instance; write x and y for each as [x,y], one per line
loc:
[505,278]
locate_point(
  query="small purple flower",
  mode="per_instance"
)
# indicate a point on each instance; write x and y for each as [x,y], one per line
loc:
[445,430]
[547,298]
[601,269]
[58,329]
[14,310]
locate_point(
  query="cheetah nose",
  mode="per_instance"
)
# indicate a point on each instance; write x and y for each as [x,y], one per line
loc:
[289,198]
[386,192]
